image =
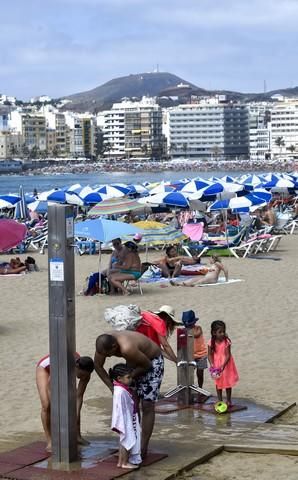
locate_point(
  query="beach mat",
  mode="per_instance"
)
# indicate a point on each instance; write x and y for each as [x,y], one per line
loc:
[221,281]
[7,275]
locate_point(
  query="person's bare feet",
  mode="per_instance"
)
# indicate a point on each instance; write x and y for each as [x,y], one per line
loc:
[174,284]
[128,466]
[49,447]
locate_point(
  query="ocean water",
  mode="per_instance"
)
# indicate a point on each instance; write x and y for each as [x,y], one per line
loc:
[11,183]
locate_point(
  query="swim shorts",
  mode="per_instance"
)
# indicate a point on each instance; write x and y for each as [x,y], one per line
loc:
[136,274]
[148,385]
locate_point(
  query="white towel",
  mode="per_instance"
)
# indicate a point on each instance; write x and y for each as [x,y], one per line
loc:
[221,281]
[126,422]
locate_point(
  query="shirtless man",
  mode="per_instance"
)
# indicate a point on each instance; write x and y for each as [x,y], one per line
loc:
[211,276]
[146,359]
[84,368]
[130,268]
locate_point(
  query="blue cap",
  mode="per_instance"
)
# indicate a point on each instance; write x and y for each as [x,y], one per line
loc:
[189,318]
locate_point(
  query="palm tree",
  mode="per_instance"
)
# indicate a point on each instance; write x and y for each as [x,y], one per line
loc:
[13,151]
[171,148]
[185,148]
[216,151]
[291,148]
[279,141]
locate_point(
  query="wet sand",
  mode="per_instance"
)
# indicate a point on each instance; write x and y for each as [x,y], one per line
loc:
[260,313]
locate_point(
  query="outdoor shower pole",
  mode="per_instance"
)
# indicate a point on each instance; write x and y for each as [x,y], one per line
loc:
[62,334]
[185,372]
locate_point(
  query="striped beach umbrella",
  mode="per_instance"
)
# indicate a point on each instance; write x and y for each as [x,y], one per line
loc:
[60,196]
[114,206]
[113,191]
[156,233]
[236,203]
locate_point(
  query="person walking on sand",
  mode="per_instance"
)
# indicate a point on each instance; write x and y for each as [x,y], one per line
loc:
[125,419]
[221,361]
[146,360]
[210,277]
[84,368]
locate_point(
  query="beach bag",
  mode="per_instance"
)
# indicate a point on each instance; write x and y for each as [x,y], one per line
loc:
[152,272]
[123,317]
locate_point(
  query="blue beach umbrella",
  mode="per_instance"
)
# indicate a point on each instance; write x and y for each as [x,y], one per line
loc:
[237,203]
[9,201]
[93,197]
[113,191]
[39,206]
[104,230]
[60,196]
[172,199]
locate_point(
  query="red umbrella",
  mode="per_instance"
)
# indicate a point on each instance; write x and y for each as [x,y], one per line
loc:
[11,233]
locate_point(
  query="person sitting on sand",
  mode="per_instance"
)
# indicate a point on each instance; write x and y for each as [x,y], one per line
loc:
[171,264]
[125,419]
[210,277]
[130,268]
[84,368]
[14,266]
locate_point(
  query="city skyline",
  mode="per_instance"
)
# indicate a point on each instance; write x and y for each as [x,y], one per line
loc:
[68,46]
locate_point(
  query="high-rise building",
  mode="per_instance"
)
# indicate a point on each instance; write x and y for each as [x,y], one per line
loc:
[133,129]
[32,126]
[208,129]
[259,131]
[284,128]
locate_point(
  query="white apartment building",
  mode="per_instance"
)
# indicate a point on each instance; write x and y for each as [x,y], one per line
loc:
[133,129]
[208,130]
[56,132]
[284,128]
[259,131]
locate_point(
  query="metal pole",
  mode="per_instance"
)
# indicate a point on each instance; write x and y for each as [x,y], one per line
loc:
[62,335]
[185,372]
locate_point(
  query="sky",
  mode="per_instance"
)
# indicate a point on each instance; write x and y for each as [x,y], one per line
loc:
[60,47]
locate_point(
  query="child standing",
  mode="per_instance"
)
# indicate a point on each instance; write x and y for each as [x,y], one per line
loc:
[200,353]
[220,357]
[125,419]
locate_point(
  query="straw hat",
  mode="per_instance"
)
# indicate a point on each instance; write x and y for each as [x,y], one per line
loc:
[169,311]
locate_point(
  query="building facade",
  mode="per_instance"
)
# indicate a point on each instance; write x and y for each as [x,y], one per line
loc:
[259,131]
[208,130]
[284,128]
[133,129]
[10,145]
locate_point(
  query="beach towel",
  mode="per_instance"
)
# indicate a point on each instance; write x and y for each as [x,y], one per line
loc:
[221,281]
[21,274]
[164,280]
[125,422]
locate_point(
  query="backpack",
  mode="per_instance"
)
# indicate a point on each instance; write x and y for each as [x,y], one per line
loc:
[123,317]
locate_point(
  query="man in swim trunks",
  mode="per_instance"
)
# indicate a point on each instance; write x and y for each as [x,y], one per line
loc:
[84,368]
[146,359]
[130,268]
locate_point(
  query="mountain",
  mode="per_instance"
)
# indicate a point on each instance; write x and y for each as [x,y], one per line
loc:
[102,97]
[157,84]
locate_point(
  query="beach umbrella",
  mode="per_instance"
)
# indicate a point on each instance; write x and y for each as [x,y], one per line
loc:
[76,187]
[278,183]
[196,185]
[60,196]
[43,196]
[161,188]
[262,193]
[21,210]
[92,197]
[11,233]
[172,199]
[39,206]
[237,203]
[157,233]
[115,206]
[137,189]
[9,201]
[113,191]
[103,230]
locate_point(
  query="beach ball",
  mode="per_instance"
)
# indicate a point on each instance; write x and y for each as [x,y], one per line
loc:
[221,407]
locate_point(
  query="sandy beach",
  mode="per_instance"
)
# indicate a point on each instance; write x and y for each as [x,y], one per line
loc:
[260,313]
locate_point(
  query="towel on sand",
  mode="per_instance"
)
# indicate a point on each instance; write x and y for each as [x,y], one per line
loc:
[221,281]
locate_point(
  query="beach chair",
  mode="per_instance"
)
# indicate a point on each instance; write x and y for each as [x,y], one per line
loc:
[200,249]
[133,285]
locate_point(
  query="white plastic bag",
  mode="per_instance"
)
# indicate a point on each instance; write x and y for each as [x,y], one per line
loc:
[123,317]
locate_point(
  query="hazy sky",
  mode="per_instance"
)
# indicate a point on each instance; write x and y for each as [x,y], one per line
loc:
[59,47]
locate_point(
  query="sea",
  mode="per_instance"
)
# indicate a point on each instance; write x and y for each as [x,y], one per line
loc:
[12,183]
